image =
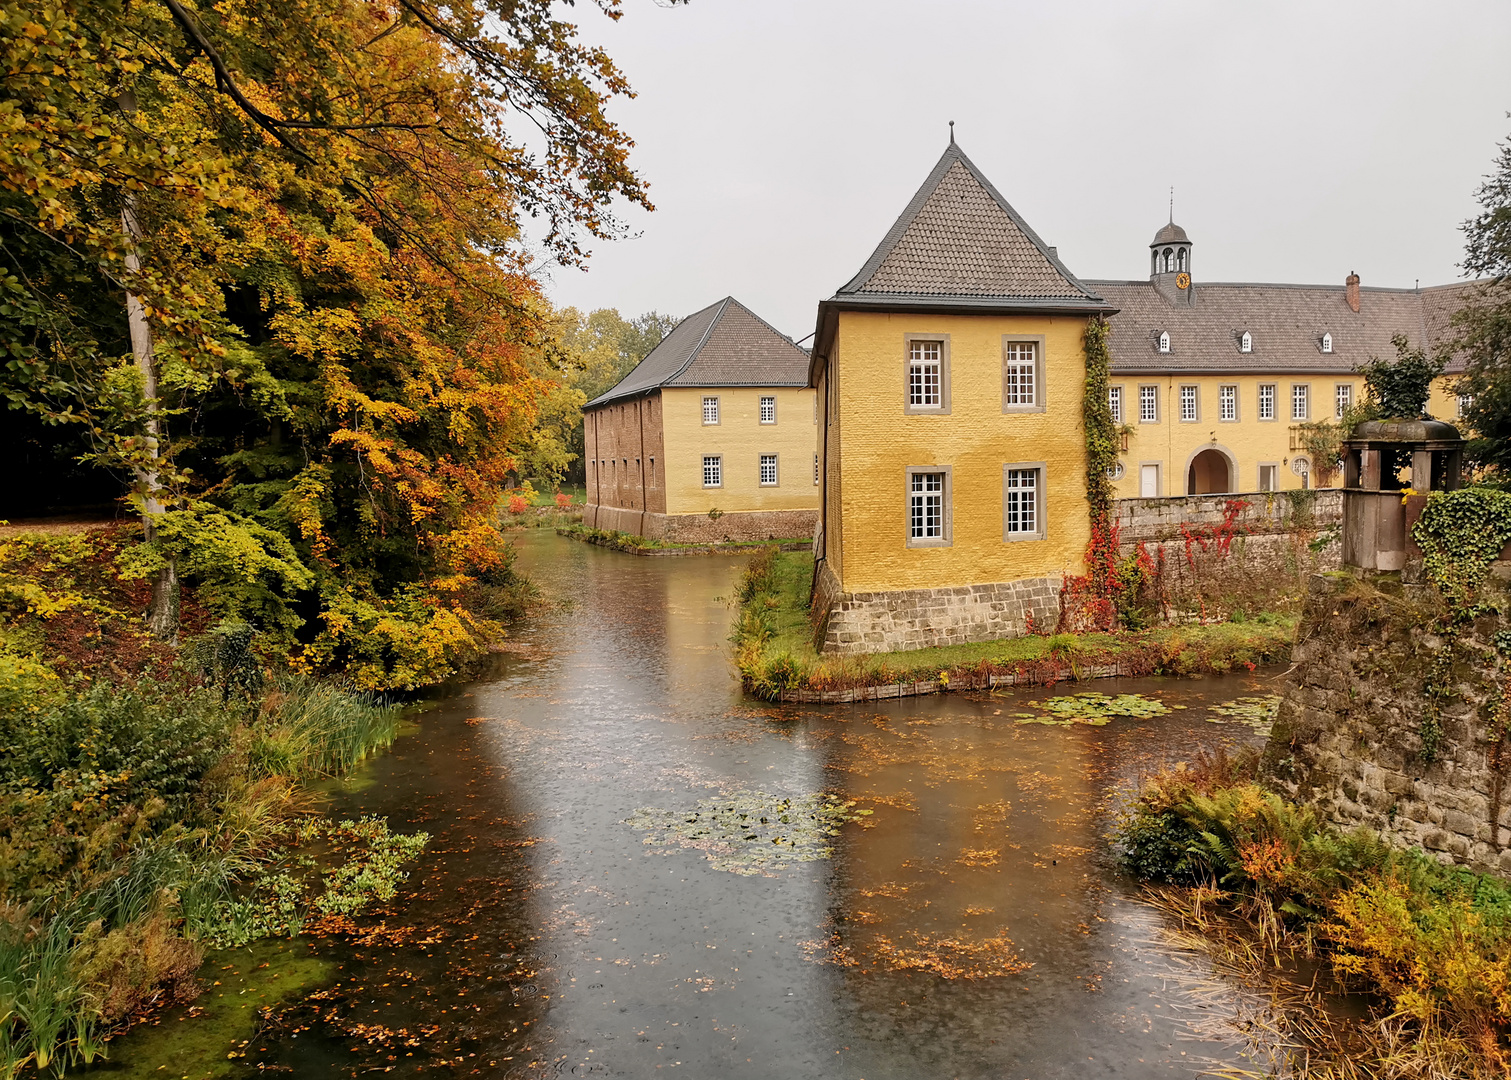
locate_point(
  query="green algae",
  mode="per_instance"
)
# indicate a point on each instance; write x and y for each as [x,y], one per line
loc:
[1093,708]
[1257,712]
[204,1039]
[750,832]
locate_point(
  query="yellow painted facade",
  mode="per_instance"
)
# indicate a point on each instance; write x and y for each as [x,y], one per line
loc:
[739,440]
[865,385]
[1260,453]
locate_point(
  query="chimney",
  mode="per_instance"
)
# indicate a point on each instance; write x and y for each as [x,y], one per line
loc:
[1351,290]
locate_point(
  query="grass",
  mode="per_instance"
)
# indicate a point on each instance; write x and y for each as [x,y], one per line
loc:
[624,541]
[774,646]
[1258,883]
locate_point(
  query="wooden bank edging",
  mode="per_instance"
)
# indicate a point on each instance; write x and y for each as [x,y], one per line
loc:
[933,686]
[692,549]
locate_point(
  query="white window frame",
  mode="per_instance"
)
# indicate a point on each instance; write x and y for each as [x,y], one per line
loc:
[768,399]
[1164,341]
[1301,394]
[1268,395]
[775,480]
[947,524]
[710,410]
[1246,342]
[1227,403]
[1148,394]
[713,467]
[1115,403]
[1018,395]
[815,468]
[1343,399]
[1012,476]
[1466,402]
[1327,343]
[1190,393]
[941,342]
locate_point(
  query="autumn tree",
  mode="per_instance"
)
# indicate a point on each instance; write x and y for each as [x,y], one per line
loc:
[324,209]
[1483,325]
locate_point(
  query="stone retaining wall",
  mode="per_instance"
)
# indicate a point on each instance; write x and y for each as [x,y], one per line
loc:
[1348,738]
[1268,513]
[702,529]
[923,618]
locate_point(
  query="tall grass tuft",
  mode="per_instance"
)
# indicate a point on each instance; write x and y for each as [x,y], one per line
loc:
[310,730]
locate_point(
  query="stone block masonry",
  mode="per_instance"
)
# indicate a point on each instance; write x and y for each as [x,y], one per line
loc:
[924,618]
[702,529]
[1348,738]
[1269,513]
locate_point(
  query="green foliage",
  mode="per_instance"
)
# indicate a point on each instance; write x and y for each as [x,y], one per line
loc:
[1461,533]
[1398,389]
[309,730]
[1482,327]
[1096,419]
[1092,708]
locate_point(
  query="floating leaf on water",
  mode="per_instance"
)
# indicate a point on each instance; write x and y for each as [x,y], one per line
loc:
[1257,712]
[1093,708]
[790,830]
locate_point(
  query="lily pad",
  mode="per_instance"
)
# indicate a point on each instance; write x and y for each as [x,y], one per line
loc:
[1093,708]
[751,832]
[1257,712]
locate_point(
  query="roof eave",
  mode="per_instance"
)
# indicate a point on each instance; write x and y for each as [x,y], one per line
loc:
[910,303]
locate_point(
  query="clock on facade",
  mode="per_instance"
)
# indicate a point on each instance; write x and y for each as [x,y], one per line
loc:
[1182,281]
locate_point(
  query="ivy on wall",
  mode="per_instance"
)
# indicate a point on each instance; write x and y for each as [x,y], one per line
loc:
[1101,432]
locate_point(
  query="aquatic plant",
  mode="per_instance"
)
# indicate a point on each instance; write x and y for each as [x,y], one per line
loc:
[310,729]
[1258,712]
[751,832]
[1093,708]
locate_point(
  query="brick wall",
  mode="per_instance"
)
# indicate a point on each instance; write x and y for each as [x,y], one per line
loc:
[625,463]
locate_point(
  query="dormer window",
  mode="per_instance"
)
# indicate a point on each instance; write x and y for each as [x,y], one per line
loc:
[1246,342]
[1327,343]
[1164,341]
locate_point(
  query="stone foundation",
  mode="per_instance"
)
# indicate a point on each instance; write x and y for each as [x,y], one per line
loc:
[702,529]
[1348,738]
[922,618]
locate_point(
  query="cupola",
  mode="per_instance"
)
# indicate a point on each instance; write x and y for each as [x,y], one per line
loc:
[1170,263]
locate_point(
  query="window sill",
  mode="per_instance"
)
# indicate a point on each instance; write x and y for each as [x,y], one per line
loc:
[1024,538]
[930,543]
[1009,409]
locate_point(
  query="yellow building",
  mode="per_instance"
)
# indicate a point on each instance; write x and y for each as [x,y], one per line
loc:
[1215,381]
[712,437]
[950,374]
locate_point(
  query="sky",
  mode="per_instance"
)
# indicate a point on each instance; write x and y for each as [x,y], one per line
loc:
[782,138]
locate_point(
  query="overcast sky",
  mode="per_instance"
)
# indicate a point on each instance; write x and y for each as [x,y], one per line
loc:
[781,138]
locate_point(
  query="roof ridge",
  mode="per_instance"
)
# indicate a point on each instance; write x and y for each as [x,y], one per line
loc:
[702,341]
[926,190]
[766,324]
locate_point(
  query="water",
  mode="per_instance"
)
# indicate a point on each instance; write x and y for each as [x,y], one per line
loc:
[973,925]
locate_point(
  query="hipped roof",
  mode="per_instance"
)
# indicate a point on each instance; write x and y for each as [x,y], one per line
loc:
[725,344]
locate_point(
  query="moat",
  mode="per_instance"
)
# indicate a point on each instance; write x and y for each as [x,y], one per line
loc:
[973,924]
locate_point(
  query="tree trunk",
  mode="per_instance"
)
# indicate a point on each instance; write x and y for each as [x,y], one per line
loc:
[162,615]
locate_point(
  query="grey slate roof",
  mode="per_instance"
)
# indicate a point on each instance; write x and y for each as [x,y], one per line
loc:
[1286,323]
[725,344]
[1170,234]
[960,243]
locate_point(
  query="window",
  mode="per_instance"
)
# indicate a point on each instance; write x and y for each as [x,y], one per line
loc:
[815,468]
[1115,403]
[713,470]
[768,470]
[1344,399]
[1266,401]
[1246,342]
[768,410]
[1022,374]
[1188,400]
[1167,260]
[928,376]
[1466,402]
[1327,343]
[1180,258]
[1300,405]
[1116,472]
[1269,477]
[1227,403]
[928,507]
[1022,511]
[1148,404]
[1164,341]
[653,473]
[710,410]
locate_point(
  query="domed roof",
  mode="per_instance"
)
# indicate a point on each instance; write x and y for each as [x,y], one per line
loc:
[1420,430]
[1170,234]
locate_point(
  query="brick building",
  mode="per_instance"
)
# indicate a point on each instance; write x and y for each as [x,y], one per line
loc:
[713,436]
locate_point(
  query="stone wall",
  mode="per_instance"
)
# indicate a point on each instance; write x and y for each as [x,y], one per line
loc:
[1348,738]
[702,529]
[1269,513]
[922,618]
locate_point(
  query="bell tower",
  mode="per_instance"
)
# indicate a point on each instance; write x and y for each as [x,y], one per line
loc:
[1170,264]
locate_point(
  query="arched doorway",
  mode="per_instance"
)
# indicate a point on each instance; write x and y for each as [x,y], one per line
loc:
[1209,474]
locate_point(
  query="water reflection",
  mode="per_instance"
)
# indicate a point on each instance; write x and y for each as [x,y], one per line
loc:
[972,926]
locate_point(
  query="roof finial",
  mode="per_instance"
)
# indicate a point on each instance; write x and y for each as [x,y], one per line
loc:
[952,133]
[1172,204]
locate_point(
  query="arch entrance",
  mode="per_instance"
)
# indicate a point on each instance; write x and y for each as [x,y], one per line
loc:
[1209,474]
